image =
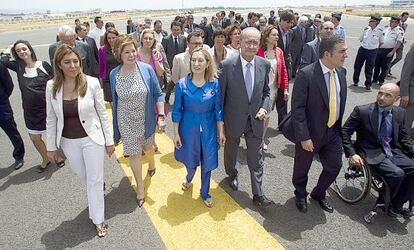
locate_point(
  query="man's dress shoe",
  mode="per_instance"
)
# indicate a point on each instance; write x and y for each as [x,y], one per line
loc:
[261,201]
[325,205]
[234,184]
[302,205]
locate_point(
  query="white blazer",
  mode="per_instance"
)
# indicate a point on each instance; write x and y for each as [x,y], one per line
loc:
[92,114]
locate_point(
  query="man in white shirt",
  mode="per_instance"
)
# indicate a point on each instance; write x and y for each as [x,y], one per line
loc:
[98,31]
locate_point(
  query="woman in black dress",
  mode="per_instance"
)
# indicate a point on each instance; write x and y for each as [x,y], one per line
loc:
[32,76]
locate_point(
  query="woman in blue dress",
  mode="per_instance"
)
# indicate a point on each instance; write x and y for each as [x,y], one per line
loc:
[198,121]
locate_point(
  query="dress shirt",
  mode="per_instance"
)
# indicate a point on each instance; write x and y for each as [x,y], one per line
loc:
[158,37]
[96,34]
[388,120]
[371,38]
[392,36]
[244,67]
[325,71]
[284,38]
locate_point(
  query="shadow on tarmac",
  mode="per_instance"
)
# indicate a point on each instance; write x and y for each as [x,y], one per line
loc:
[29,175]
[281,219]
[71,233]
[182,207]
[4,172]
[382,223]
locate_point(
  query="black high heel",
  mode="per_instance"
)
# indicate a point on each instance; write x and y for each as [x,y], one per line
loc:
[140,202]
[151,172]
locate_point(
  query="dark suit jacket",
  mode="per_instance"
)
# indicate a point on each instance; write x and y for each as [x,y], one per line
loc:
[94,55]
[235,102]
[310,103]
[310,53]
[84,51]
[364,121]
[208,35]
[168,45]
[245,25]
[189,29]
[6,88]
[225,22]
[287,51]
[297,42]
[407,76]
[310,33]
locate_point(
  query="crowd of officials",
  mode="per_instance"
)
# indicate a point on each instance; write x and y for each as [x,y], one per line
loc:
[228,75]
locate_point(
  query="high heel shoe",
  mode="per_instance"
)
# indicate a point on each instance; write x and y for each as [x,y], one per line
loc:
[151,172]
[101,229]
[41,169]
[140,202]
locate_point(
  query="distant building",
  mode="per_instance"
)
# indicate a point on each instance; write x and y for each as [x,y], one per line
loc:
[402,2]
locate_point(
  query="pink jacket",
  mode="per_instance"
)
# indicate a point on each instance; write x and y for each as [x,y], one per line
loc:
[102,63]
[282,76]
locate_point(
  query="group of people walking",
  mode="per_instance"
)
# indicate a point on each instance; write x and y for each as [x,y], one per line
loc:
[222,94]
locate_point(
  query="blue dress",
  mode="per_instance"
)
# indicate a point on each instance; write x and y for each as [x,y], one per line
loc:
[197,111]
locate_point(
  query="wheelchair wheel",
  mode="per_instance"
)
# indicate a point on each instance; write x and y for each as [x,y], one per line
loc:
[353,183]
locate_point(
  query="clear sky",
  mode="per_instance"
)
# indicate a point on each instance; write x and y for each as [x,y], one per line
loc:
[71,5]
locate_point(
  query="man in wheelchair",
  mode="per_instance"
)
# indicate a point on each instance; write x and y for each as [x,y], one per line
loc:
[384,143]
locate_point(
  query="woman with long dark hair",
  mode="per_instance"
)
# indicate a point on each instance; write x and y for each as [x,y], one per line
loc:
[32,76]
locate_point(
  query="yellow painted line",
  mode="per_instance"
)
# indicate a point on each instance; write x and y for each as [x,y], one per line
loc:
[181,218]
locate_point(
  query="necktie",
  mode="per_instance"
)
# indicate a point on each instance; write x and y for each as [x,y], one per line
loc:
[385,140]
[176,44]
[249,81]
[332,99]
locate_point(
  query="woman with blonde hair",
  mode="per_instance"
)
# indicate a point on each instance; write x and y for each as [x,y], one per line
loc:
[78,123]
[135,93]
[198,121]
[149,54]
[278,78]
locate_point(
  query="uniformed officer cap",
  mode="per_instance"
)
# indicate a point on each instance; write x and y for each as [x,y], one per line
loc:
[396,18]
[376,18]
[338,15]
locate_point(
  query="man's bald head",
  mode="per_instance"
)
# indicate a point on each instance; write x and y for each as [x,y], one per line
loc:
[391,87]
[388,94]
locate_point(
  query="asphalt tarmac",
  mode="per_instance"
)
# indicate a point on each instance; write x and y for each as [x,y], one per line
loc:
[49,210]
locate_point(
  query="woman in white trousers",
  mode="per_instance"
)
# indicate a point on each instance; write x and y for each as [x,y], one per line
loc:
[78,123]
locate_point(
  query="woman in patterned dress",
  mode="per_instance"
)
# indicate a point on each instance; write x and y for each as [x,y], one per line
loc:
[135,89]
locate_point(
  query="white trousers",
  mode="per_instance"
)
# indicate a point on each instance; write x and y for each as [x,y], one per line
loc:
[86,158]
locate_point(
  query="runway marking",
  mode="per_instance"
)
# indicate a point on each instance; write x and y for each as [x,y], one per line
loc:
[181,218]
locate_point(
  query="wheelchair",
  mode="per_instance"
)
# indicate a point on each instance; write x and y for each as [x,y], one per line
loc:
[354,183]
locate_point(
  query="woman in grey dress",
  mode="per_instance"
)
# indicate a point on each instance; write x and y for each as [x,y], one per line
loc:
[135,93]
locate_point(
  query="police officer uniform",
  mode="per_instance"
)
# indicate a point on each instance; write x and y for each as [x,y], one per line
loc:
[391,37]
[370,41]
[399,52]
[339,30]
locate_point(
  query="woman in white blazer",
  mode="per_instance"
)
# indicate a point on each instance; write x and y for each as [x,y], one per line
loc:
[78,123]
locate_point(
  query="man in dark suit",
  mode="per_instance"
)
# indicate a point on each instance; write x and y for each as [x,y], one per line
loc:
[317,121]
[313,29]
[7,122]
[381,139]
[244,109]
[209,31]
[285,37]
[173,44]
[82,33]
[67,36]
[407,88]
[272,18]
[310,53]
[223,20]
[190,26]
[251,21]
[298,40]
